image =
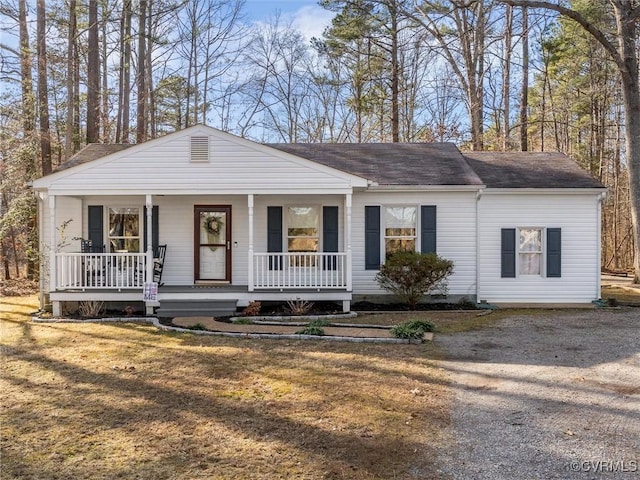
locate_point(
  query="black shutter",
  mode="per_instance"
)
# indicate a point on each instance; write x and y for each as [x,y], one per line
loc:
[274,235]
[554,252]
[95,227]
[330,235]
[428,229]
[371,237]
[155,239]
[508,253]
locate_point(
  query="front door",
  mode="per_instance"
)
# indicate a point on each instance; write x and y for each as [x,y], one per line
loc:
[212,236]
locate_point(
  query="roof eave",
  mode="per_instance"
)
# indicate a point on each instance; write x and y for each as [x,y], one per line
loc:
[426,188]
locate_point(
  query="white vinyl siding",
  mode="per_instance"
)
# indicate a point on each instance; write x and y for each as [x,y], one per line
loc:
[575,214]
[456,236]
[235,166]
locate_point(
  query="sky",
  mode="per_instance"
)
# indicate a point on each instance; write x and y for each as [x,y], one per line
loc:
[306,15]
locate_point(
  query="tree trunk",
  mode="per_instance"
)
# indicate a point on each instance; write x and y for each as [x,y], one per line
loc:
[69,133]
[141,123]
[395,75]
[93,74]
[104,119]
[126,77]
[43,90]
[506,77]
[524,93]
[151,113]
[28,101]
[627,32]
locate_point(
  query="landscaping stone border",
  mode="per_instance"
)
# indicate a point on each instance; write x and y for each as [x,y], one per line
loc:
[156,322]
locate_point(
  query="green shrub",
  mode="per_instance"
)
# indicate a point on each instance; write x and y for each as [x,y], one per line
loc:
[411,275]
[311,330]
[413,329]
[314,328]
[243,321]
[197,326]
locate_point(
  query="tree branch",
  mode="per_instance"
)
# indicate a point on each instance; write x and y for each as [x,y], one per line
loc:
[577,17]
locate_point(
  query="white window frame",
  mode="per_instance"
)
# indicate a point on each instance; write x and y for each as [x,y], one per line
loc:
[541,253]
[318,237]
[383,229]
[140,235]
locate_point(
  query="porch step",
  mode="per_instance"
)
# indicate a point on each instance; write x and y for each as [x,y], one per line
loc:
[196,308]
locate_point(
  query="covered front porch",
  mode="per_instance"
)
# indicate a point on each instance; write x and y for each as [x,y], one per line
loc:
[246,270]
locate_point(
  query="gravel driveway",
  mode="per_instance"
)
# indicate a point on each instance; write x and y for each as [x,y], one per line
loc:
[551,395]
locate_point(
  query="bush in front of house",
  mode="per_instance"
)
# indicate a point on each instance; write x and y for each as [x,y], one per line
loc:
[413,329]
[411,275]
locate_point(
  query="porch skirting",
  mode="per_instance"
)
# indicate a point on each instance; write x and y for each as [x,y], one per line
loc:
[239,293]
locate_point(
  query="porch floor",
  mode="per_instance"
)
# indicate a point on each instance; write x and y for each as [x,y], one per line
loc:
[239,293]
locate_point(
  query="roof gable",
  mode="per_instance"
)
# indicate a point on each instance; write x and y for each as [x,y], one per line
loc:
[163,165]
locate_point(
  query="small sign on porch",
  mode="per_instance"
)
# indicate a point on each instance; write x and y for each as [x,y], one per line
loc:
[150,292]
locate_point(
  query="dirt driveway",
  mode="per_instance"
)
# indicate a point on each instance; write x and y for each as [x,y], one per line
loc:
[551,395]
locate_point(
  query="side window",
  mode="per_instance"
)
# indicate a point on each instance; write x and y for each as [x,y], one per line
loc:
[400,230]
[303,229]
[124,229]
[530,251]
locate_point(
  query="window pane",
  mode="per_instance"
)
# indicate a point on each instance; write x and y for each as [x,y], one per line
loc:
[124,222]
[400,217]
[530,240]
[213,228]
[302,232]
[393,245]
[530,263]
[302,217]
[400,232]
[302,245]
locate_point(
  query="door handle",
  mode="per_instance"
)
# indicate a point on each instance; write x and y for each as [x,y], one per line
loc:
[228,245]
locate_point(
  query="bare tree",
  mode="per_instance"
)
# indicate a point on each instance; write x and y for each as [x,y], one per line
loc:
[622,47]
[72,60]
[141,78]
[460,29]
[93,74]
[43,91]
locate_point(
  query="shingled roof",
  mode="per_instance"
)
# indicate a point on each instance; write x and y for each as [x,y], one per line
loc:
[92,152]
[529,170]
[391,163]
[418,164]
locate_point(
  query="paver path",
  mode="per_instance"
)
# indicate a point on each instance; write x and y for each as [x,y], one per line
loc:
[552,395]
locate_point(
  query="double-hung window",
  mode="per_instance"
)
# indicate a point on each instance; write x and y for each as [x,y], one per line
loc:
[303,227]
[530,251]
[124,229]
[400,229]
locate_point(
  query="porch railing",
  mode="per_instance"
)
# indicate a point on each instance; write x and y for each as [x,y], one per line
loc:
[300,270]
[100,270]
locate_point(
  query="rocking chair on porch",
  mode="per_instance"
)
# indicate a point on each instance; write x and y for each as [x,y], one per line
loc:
[159,253]
[93,267]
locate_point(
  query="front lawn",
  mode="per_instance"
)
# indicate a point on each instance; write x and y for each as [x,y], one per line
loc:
[105,401]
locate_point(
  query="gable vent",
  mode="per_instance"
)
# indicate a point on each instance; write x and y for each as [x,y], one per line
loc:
[199,149]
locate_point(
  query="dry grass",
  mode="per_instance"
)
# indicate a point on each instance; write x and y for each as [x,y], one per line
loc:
[622,295]
[105,401]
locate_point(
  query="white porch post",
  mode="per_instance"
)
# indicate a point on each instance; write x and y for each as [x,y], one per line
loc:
[348,204]
[53,271]
[250,264]
[148,275]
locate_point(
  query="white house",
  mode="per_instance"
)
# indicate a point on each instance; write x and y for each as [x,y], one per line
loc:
[243,221]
